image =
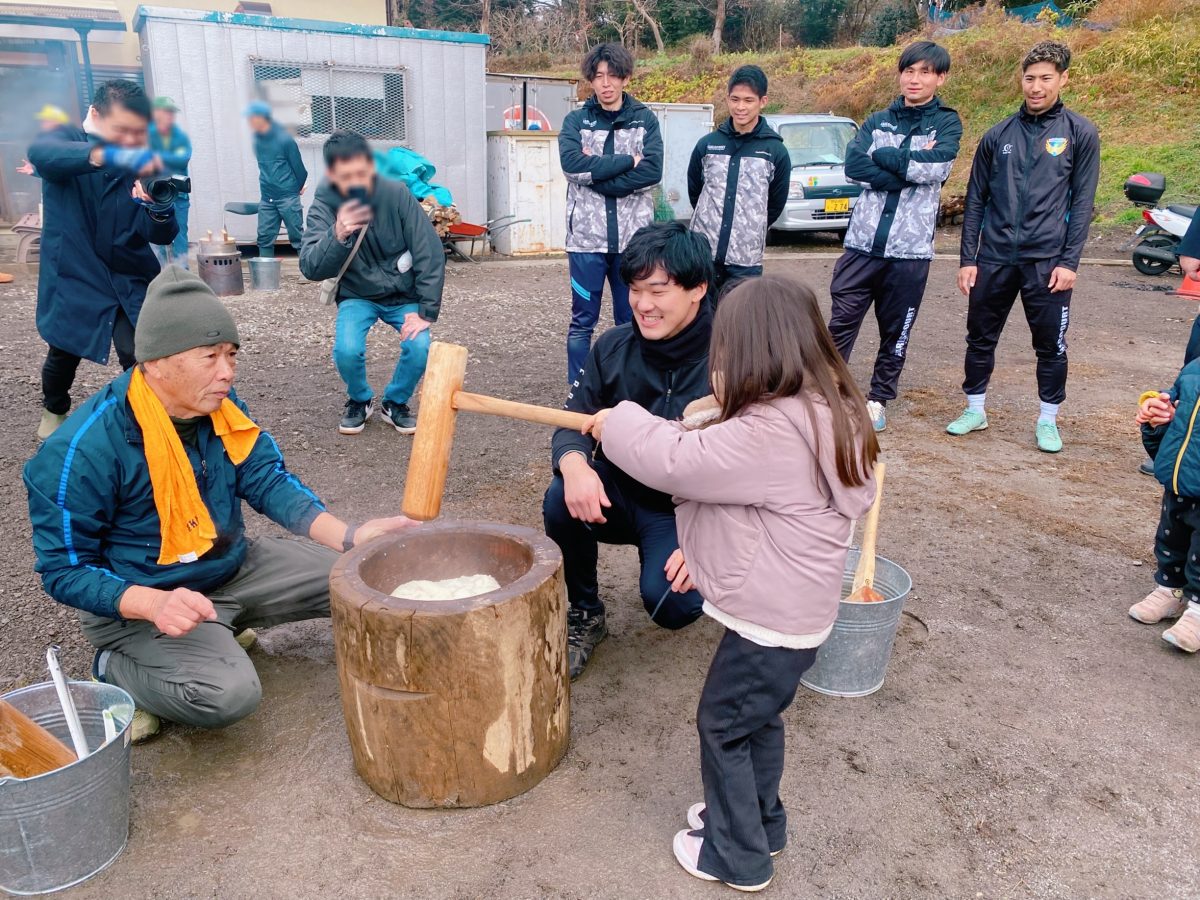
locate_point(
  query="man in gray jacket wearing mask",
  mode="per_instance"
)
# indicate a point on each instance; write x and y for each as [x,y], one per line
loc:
[395,274]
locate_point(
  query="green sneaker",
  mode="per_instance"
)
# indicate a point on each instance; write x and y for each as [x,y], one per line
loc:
[1048,439]
[969,421]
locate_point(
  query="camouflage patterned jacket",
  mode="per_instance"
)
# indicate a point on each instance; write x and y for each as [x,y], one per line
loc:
[608,197]
[896,215]
[738,184]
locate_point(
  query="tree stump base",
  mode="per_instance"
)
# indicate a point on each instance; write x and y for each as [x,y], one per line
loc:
[453,703]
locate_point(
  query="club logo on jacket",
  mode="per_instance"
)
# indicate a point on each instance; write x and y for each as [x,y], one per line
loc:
[1055,146]
[1007,149]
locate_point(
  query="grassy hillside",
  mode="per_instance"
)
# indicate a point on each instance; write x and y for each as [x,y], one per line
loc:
[1139,82]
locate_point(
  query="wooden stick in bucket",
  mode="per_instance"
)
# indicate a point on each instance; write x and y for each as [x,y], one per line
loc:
[26,748]
[863,588]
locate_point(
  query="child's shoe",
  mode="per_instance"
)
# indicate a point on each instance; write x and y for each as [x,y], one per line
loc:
[1161,603]
[687,854]
[1185,634]
[695,818]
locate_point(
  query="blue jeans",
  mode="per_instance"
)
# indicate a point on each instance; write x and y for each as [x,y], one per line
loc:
[354,320]
[270,212]
[179,246]
[588,274]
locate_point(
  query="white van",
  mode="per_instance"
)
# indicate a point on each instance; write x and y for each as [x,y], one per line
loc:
[821,197]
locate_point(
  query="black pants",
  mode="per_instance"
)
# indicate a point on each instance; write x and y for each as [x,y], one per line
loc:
[58,371]
[741,755]
[1177,545]
[992,298]
[896,287]
[726,277]
[652,531]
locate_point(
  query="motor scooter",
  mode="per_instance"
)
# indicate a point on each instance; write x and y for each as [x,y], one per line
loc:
[1155,244]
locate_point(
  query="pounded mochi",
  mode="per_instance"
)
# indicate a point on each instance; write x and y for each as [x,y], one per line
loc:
[448,588]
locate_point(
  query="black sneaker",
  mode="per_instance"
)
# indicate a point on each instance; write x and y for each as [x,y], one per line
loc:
[354,419]
[584,632]
[400,416]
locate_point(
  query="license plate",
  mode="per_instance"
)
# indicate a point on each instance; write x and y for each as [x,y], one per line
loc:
[837,206]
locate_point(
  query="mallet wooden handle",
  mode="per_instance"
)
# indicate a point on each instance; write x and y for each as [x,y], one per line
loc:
[865,573]
[26,748]
[525,412]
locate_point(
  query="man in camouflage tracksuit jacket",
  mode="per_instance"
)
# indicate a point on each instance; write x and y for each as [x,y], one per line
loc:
[611,152]
[903,156]
[738,181]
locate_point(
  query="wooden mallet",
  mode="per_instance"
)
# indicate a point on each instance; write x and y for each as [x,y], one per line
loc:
[863,587]
[441,398]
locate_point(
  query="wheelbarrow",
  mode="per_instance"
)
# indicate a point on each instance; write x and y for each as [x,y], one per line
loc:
[461,232]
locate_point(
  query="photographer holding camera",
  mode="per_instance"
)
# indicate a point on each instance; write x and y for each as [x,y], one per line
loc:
[96,258]
[174,148]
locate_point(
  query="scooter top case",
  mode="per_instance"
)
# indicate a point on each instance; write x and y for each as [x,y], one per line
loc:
[1145,188]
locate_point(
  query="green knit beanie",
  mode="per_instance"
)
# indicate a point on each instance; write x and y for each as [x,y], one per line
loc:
[181,313]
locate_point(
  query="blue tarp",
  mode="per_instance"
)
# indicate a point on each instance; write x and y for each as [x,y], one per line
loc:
[959,19]
[402,164]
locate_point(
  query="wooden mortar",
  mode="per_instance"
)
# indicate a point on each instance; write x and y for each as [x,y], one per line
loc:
[456,702]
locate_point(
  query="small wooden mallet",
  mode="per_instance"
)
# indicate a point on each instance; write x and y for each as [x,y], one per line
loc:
[441,398]
[862,590]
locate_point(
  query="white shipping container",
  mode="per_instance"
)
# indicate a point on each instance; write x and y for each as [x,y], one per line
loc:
[424,89]
[526,182]
[682,124]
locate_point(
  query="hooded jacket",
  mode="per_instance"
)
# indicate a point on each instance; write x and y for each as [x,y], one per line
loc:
[1175,447]
[96,529]
[281,171]
[660,376]
[1032,190]
[738,185]
[764,521]
[400,225]
[96,256]
[896,215]
[608,198]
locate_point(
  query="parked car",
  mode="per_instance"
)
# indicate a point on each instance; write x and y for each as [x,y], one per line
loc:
[821,197]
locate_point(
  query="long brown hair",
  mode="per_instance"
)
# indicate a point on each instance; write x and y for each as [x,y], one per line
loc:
[769,340]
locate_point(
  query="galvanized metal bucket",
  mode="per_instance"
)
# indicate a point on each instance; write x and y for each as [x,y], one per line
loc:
[853,661]
[264,273]
[63,827]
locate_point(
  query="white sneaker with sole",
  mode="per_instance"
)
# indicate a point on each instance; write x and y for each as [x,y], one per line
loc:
[695,818]
[687,853]
[878,413]
[1185,634]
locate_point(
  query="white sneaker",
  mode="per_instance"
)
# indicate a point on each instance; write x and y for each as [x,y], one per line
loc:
[695,818]
[687,853]
[1161,603]
[878,413]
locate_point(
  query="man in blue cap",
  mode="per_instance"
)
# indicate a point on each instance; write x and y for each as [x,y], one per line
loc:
[281,178]
[174,149]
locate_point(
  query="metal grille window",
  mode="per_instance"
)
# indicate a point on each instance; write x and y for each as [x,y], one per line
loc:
[317,99]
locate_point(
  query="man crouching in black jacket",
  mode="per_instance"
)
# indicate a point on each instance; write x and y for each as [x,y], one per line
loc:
[660,362]
[372,234]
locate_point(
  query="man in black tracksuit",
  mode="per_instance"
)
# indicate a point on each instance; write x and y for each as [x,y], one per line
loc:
[738,181]
[660,362]
[903,156]
[1029,205]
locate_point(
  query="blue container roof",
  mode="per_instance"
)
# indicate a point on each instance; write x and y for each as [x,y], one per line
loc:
[285,23]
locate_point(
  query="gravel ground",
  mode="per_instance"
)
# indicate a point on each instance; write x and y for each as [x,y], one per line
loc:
[1030,741]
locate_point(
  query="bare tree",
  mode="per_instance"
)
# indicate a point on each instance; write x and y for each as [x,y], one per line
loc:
[646,9]
[398,13]
[485,16]
[718,25]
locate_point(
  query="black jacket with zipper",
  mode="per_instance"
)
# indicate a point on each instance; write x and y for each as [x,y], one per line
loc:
[399,224]
[738,185]
[660,376]
[1032,190]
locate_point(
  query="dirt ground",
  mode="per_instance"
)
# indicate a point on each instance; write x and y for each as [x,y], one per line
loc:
[1030,741]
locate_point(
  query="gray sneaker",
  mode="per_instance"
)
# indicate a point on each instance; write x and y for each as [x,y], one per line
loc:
[355,416]
[400,417]
[584,632]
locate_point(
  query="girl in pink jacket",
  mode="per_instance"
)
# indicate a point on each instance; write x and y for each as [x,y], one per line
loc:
[767,496]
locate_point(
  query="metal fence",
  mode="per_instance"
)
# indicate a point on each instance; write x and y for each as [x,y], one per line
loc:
[317,99]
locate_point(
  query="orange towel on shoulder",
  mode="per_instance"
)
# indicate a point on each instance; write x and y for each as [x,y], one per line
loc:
[186,526]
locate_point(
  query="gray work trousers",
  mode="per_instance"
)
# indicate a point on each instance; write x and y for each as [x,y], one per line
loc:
[204,678]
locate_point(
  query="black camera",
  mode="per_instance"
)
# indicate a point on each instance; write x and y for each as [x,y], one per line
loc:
[164,190]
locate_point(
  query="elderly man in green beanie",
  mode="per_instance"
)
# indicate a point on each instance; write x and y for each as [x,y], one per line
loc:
[136,505]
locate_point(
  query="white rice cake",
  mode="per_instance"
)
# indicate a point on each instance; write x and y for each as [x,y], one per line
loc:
[447,589]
